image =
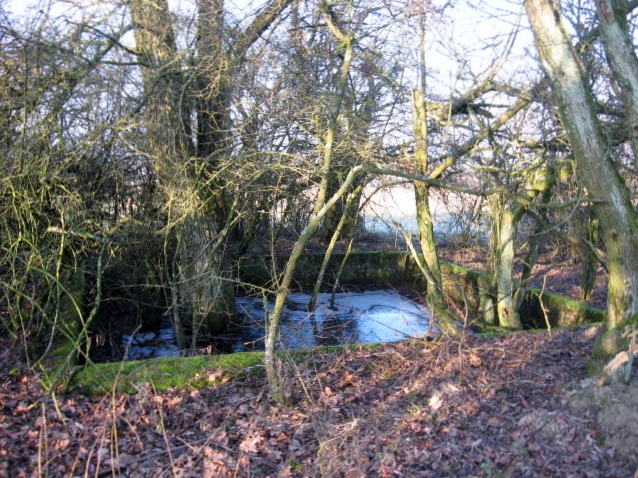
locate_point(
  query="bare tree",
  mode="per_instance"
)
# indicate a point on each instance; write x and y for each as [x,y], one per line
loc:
[59,181]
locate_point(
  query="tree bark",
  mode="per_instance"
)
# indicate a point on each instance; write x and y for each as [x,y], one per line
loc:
[532,253]
[621,55]
[187,171]
[618,217]
[214,81]
[590,262]
[204,289]
[434,295]
[168,137]
[503,236]
[507,218]
[168,126]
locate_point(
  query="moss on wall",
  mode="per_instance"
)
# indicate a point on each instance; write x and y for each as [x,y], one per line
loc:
[162,373]
[538,308]
[398,269]
[181,372]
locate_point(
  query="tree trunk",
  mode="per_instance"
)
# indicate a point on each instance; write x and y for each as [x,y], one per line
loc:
[622,59]
[617,215]
[532,253]
[434,295]
[321,209]
[352,197]
[168,126]
[214,81]
[358,121]
[590,262]
[206,287]
[506,221]
[188,172]
[274,317]
[504,234]
[205,290]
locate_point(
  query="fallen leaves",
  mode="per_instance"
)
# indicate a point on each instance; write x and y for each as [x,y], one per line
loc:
[251,443]
[396,411]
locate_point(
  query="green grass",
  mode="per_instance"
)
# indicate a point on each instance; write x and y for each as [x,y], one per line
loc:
[165,373]
[181,372]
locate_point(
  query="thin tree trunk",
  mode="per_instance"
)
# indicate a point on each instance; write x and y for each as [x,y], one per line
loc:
[434,294]
[507,220]
[356,194]
[320,210]
[505,234]
[328,146]
[590,262]
[358,131]
[532,254]
[274,317]
[342,267]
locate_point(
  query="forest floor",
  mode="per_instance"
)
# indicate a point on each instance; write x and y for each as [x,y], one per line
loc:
[477,406]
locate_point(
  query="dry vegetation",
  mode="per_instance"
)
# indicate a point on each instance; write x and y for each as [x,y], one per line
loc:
[511,405]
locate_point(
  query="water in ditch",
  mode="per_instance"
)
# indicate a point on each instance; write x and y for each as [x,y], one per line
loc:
[357,317]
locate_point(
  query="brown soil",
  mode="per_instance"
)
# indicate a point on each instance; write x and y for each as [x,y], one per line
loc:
[616,411]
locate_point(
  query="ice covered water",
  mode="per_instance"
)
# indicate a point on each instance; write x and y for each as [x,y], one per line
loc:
[144,345]
[357,317]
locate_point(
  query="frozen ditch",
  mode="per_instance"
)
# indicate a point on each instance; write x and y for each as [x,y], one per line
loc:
[359,317]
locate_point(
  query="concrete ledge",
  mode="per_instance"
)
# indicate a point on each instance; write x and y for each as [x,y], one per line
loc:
[398,269]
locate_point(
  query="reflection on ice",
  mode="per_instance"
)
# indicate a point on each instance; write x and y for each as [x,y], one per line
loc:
[360,317]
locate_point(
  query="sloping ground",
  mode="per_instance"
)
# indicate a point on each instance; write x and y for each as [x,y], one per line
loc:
[480,407]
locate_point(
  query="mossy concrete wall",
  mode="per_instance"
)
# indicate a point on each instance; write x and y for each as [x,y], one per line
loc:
[399,269]
[375,269]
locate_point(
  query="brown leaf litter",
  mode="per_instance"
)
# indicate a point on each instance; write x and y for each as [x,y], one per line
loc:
[476,406]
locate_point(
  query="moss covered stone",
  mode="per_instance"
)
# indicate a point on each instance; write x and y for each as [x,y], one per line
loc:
[164,373]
